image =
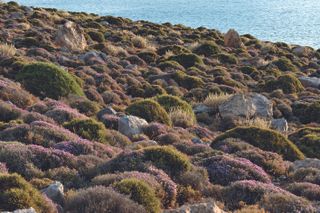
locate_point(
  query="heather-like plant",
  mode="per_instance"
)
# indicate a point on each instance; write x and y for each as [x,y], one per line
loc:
[48,80]
[311,175]
[9,111]
[304,189]
[225,169]
[88,129]
[154,129]
[17,193]
[140,192]
[100,199]
[264,139]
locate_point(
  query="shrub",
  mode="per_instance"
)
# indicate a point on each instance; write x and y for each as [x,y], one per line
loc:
[285,64]
[308,141]
[96,36]
[149,110]
[227,58]
[187,81]
[7,50]
[17,193]
[139,42]
[48,80]
[308,190]
[168,159]
[9,112]
[286,202]
[307,112]
[311,175]
[287,83]
[224,169]
[88,129]
[264,139]
[187,60]
[100,199]
[169,102]
[215,100]
[207,49]
[187,195]
[181,118]
[140,192]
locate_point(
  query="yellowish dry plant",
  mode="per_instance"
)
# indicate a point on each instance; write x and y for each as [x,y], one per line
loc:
[256,122]
[214,100]
[139,42]
[7,50]
[181,118]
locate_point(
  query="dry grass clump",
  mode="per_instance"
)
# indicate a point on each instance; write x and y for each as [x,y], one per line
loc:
[7,50]
[139,42]
[168,54]
[181,118]
[215,100]
[116,50]
[256,122]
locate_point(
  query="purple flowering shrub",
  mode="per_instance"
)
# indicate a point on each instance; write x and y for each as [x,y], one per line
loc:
[85,147]
[38,132]
[271,162]
[225,169]
[3,168]
[154,129]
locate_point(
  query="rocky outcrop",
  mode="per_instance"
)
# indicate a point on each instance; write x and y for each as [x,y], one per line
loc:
[131,125]
[30,210]
[310,81]
[197,208]
[280,124]
[246,106]
[55,192]
[71,37]
[232,39]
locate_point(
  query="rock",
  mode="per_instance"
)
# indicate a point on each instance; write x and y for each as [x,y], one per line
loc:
[232,39]
[197,208]
[30,210]
[306,163]
[131,125]
[280,124]
[70,36]
[301,51]
[106,111]
[201,108]
[55,192]
[310,81]
[246,105]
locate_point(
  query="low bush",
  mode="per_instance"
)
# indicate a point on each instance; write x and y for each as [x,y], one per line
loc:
[187,60]
[100,199]
[308,190]
[139,192]
[149,110]
[48,80]
[17,193]
[88,129]
[264,139]
[187,81]
[207,49]
[285,64]
[287,83]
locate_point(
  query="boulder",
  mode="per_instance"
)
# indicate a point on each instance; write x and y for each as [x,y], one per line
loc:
[310,81]
[232,39]
[131,125]
[301,51]
[306,163]
[247,106]
[55,192]
[71,37]
[197,208]
[30,210]
[280,125]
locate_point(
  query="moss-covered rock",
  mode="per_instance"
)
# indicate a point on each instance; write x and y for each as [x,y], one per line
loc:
[149,110]
[48,80]
[264,139]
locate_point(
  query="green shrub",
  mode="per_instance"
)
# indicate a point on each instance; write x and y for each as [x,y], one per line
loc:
[307,112]
[285,64]
[207,49]
[149,110]
[168,159]
[227,58]
[17,193]
[187,81]
[169,102]
[187,60]
[139,192]
[264,139]
[176,49]
[96,36]
[308,141]
[187,194]
[287,83]
[48,80]
[88,129]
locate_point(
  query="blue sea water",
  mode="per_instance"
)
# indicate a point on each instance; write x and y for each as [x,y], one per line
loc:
[291,21]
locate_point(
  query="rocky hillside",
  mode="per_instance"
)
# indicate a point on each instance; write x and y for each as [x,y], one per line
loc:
[104,114]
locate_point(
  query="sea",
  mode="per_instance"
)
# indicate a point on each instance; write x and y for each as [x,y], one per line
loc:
[290,21]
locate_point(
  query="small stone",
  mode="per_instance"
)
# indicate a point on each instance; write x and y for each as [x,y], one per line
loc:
[280,124]
[310,81]
[131,125]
